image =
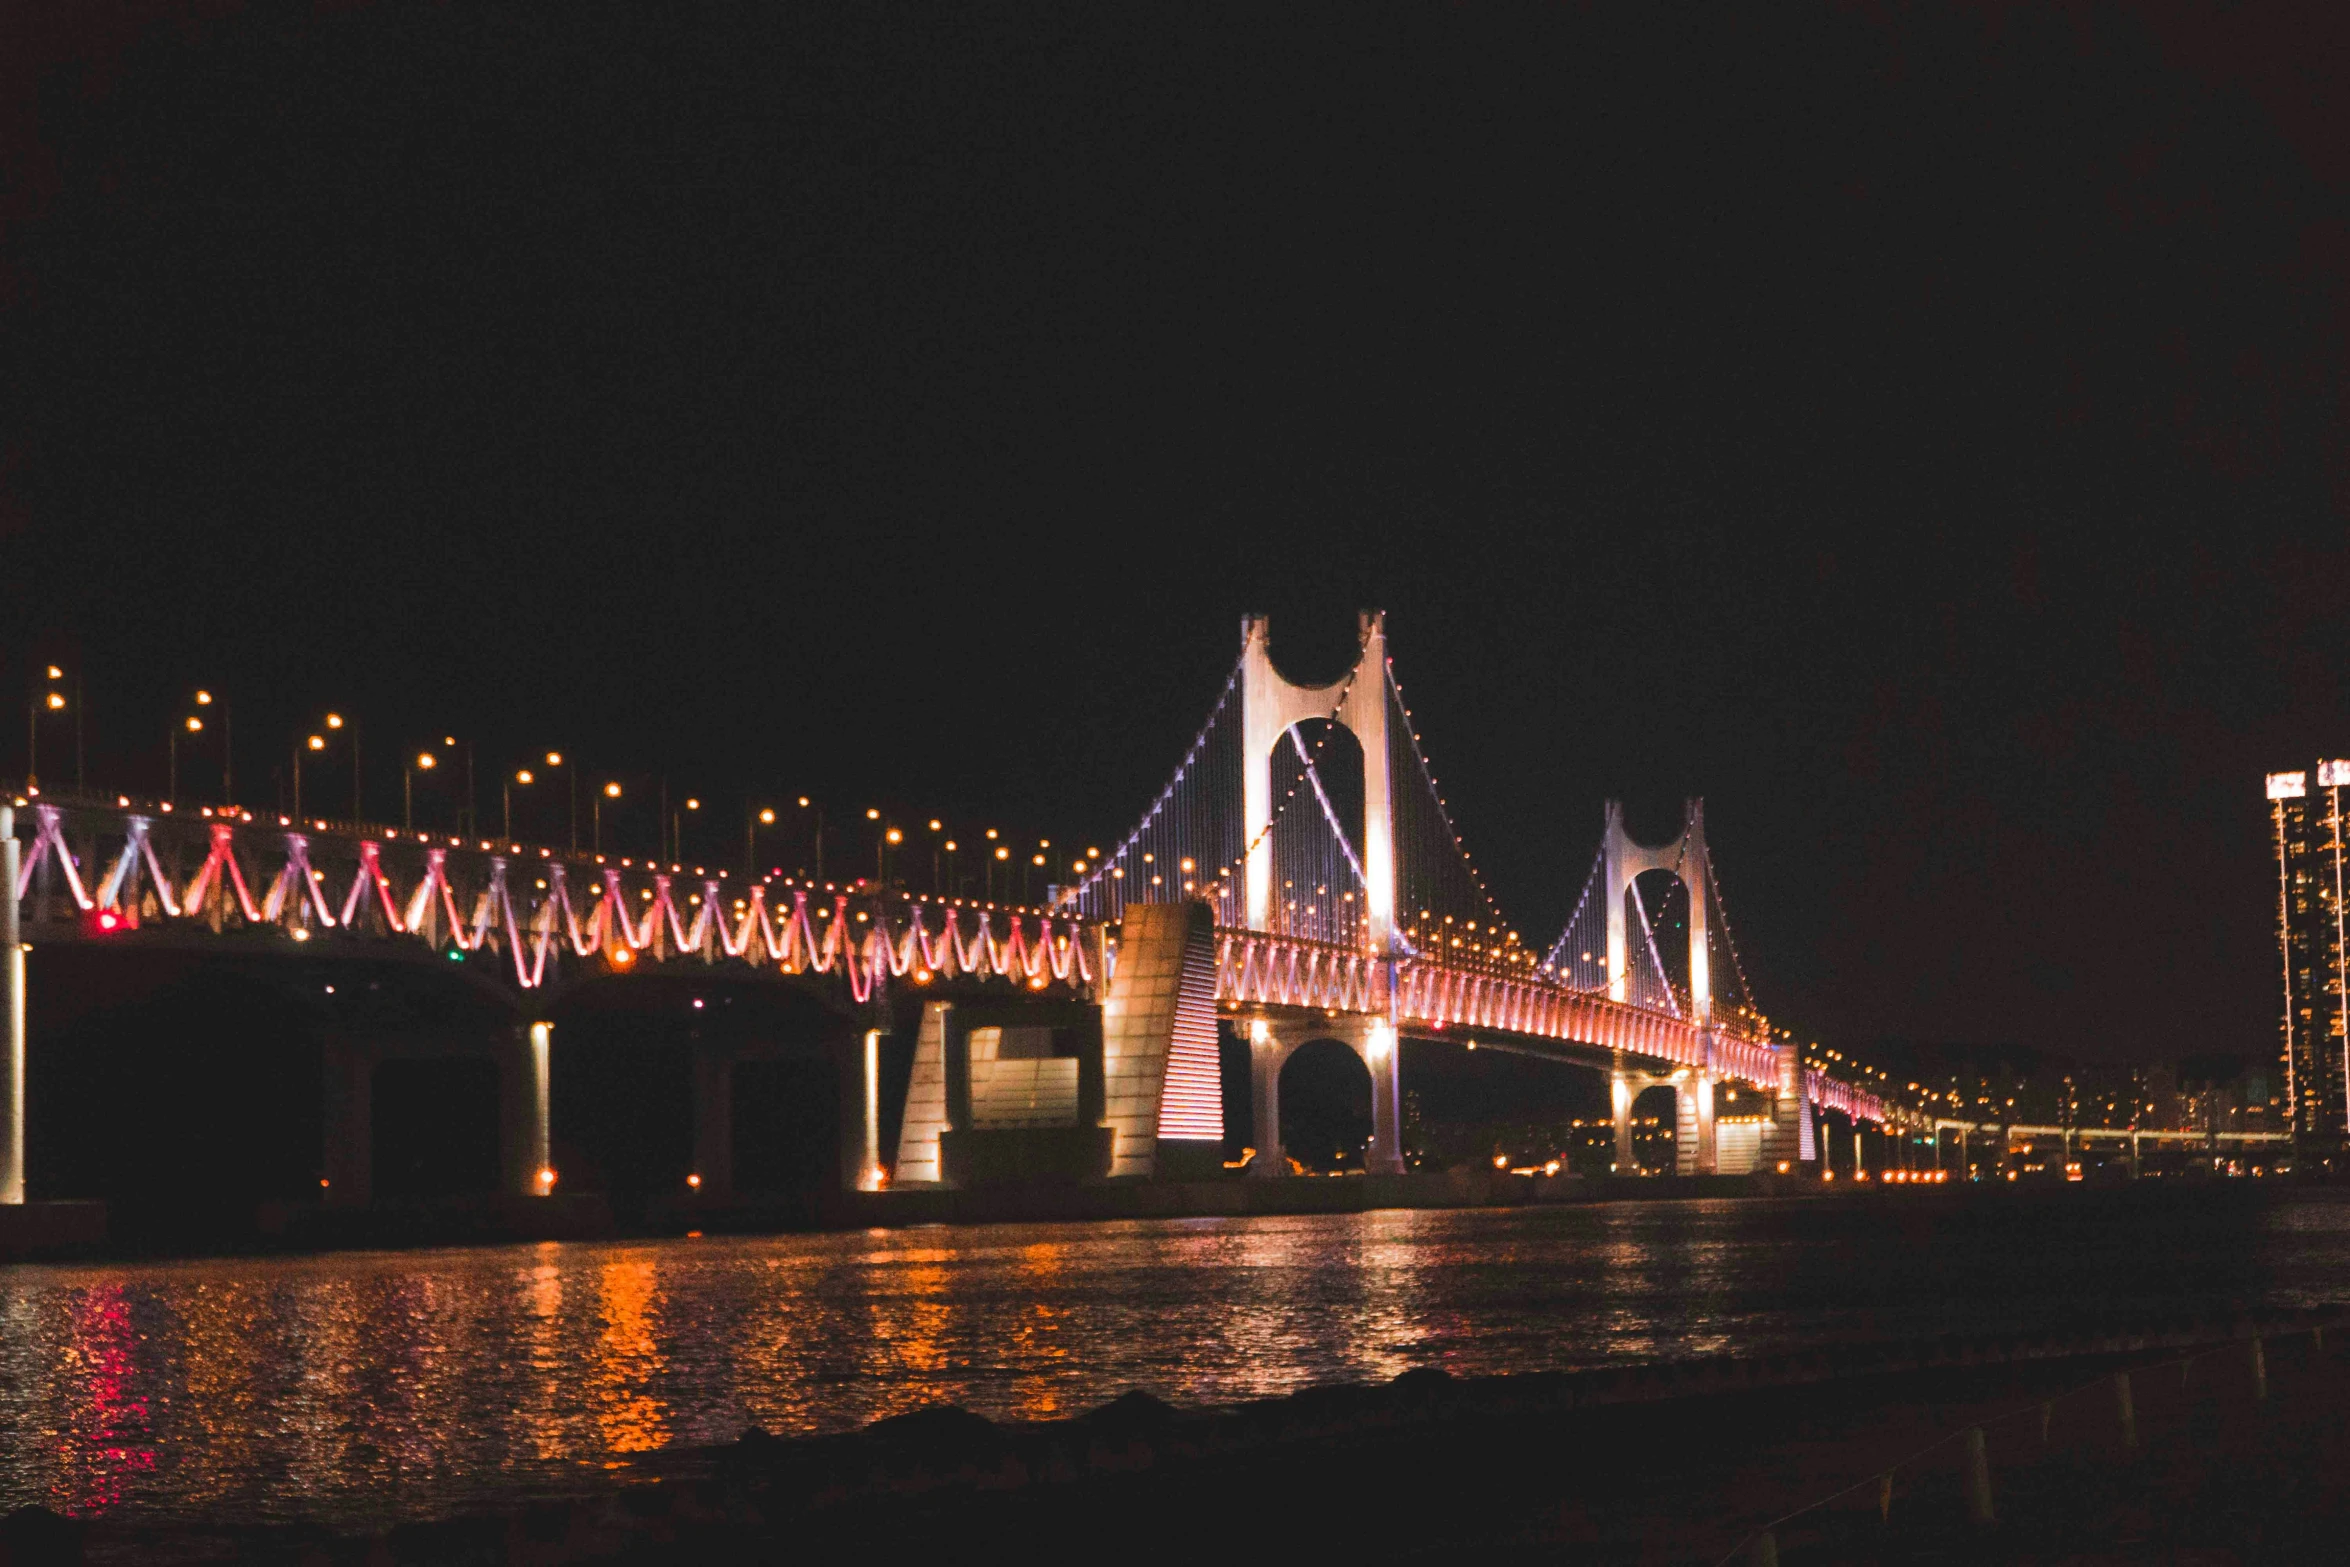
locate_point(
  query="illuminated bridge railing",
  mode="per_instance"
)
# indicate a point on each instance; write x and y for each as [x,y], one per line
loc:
[1835,1094]
[1254,969]
[110,872]
[528,916]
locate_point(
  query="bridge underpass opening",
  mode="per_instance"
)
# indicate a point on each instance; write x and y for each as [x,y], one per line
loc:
[677,1089]
[1462,1108]
[435,1125]
[181,1091]
[1325,1098]
[1655,1143]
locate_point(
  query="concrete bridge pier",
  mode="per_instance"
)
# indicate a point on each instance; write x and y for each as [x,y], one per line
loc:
[1693,1116]
[714,1121]
[12,1002]
[347,1082]
[1272,1042]
[347,1070]
[1693,1124]
[524,1068]
[1787,1140]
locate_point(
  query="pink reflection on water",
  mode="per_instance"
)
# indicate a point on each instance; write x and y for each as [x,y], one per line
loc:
[109,1437]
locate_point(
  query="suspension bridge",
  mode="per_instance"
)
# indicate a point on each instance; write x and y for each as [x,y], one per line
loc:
[1298,878]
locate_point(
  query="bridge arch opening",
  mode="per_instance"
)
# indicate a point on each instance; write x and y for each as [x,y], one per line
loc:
[1325,1107]
[181,1092]
[1655,1135]
[671,1089]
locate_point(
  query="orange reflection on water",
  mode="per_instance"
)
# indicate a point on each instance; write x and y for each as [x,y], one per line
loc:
[628,1358]
[1037,1335]
[542,1325]
[911,1323]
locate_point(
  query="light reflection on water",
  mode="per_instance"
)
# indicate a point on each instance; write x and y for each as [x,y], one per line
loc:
[354,1387]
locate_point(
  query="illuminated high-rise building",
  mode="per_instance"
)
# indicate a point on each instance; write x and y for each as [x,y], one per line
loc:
[2307,833]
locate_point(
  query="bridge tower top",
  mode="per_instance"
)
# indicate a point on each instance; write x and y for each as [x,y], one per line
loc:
[1270,705]
[1684,856]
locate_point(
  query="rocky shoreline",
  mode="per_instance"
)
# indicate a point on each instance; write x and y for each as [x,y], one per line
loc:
[1664,1462]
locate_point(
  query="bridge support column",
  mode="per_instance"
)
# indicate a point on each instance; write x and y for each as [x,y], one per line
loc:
[349,1154]
[1265,1056]
[12,1002]
[523,1131]
[1785,1143]
[1620,1095]
[714,1121]
[1380,1052]
[1693,1125]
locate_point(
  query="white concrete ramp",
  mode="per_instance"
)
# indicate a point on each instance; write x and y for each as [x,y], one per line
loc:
[1160,1076]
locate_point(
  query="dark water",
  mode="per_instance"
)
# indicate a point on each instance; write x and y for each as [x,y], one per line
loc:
[353,1387]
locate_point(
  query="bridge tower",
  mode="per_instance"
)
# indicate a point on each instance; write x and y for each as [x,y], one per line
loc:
[1684,858]
[1269,704]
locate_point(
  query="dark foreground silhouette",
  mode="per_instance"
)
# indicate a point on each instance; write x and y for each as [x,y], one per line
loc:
[2226,1449]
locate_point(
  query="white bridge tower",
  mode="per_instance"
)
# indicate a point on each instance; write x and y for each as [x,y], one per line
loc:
[1270,704]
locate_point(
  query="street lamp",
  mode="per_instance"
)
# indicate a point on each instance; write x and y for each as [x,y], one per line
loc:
[889,840]
[751,825]
[313,743]
[228,749]
[571,779]
[677,829]
[804,805]
[1001,854]
[37,702]
[425,762]
[610,791]
[171,752]
[524,777]
[468,819]
[335,721]
[953,886]
[317,742]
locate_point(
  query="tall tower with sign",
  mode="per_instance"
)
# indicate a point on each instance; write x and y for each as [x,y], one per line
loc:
[2313,959]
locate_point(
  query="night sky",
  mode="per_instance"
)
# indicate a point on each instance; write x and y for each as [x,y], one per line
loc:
[1921,434]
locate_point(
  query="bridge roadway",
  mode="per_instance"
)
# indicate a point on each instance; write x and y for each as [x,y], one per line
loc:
[527,923]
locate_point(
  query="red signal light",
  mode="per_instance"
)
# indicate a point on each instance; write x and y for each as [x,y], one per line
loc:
[104,922]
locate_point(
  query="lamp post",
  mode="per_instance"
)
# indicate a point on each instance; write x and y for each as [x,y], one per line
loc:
[819,810]
[676,830]
[934,829]
[571,778]
[313,743]
[521,776]
[889,840]
[37,702]
[317,742]
[336,721]
[425,762]
[610,791]
[752,822]
[954,887]
[171,752]
[194,724]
